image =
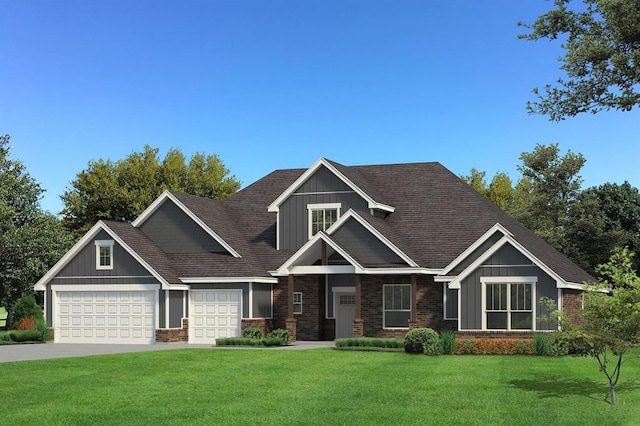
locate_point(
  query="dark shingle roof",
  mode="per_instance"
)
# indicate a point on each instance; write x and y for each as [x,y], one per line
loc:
[437,216]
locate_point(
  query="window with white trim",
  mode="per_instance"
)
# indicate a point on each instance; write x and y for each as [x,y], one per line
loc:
[322,216]
[509,306]
[104,254]
[396,305]
[297,303]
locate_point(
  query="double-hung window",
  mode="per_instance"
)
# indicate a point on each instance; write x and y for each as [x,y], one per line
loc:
[396,305]
[322,216]
[297,303]
[508,305]
[104,254]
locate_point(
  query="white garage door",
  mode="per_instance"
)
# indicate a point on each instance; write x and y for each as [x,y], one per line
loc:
[105,317]
[213,314]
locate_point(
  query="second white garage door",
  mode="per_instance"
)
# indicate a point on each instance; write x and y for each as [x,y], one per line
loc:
[213,314]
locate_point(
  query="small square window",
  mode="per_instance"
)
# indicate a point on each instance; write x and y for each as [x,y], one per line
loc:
[104,254]
[297,303]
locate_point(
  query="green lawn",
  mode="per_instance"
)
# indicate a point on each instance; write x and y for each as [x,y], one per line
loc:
[323,386]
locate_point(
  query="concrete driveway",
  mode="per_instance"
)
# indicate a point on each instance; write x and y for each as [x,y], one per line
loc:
[10,353]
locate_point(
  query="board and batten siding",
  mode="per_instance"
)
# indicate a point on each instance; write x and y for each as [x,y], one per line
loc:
[321,187]
[506,262]
[365,246]
[175,232]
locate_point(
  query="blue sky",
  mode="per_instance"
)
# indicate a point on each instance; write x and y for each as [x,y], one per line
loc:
[277,84]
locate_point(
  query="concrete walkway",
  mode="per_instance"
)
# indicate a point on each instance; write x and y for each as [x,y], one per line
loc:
[10,353]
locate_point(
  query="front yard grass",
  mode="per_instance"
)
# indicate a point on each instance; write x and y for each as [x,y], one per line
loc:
[322,386]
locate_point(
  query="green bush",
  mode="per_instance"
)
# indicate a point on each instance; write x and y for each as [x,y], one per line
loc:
[448,342]
[4,337]
[45,332]
[541,345]
[25,336]
[467,347]
[417,339]
[252,333]
[26,306]
[283,335]
[523,347]
[247,341]
[370,342]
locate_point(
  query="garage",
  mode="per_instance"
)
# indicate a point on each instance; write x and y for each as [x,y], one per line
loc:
[105,316]
[213,314]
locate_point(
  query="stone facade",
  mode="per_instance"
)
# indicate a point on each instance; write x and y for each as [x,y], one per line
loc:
[173,335]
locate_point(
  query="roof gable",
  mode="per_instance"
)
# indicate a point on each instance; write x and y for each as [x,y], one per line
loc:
[322,162]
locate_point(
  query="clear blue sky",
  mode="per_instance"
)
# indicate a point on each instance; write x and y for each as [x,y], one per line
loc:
[278,84]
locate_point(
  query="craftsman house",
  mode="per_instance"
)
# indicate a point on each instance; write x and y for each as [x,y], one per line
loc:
[330,251]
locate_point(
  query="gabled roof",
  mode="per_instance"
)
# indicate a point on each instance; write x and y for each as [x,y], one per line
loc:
[336,169]
[136,244]
[176,198]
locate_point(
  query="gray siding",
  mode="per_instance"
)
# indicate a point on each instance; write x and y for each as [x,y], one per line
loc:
[323,180]
[464,264]
[361,243]
[162,306]
[175,308]
[84,263]
[506,262]
[175,232]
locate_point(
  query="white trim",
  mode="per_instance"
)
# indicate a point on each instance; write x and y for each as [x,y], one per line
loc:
[484,281]
[278,230]
[168,195]
[102,277]
[299,303]
[475,245]
[166,309]
[99,244]
[105,288]
[275,206]
[572,286]
[455,284]
[321,206]
[445,287]
[41,284]
[441,279]
[351,214]
[228,280]
[322,269]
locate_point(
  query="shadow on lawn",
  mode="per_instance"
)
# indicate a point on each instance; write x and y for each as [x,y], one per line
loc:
[556,387]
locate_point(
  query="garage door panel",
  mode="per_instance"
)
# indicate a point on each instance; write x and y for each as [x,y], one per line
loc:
[214,314]
[105,317]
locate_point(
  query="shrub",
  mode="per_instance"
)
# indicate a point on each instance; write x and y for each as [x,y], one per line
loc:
[25,336]
[523,347]
[466,347]
[448,342]
[26,306]
[248,341]
[252,333]
[44,330]
[283,335]
[418,339]
[370,342]
[25,323]
[541,345]
[4,337]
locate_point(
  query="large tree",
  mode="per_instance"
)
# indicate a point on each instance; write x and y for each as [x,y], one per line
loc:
[601,39]
[121,190]
[31,240]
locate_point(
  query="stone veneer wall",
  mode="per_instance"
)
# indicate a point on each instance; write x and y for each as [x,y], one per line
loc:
[174,335]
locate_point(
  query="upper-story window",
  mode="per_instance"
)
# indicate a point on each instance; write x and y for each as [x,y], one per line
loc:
[104,254]
[322,216]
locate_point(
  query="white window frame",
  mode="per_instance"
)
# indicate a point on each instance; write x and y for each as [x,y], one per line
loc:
[533,281]
[384,311]
[297,303]
[100,244]
[322,206]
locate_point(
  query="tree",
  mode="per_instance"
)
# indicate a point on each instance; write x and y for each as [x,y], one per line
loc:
[601,60]
[499,190]
[612,314]
[555,185]
[121,190]
[31,240]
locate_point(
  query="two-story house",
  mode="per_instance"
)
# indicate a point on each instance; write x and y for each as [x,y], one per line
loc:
[330,251]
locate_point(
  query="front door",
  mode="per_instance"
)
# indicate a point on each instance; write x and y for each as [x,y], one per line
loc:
[345,314]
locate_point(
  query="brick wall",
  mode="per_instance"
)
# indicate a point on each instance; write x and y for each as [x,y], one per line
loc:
[572,301]
[173,335]
[263,324]
[311,322]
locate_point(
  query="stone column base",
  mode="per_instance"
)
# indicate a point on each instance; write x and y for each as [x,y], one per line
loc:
[358,327]
[292,326]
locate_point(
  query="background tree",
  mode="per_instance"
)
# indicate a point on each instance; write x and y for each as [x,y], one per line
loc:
[121,190]
[601,60]
[31,240]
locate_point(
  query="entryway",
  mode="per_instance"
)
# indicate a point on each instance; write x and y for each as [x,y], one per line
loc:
[345,304]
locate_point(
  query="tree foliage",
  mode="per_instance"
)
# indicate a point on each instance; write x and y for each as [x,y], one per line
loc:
[601,39]
[31,240]
[121,190]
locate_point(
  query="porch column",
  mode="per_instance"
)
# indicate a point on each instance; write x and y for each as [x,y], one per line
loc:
[291,322]
[358,322]
[413,319]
